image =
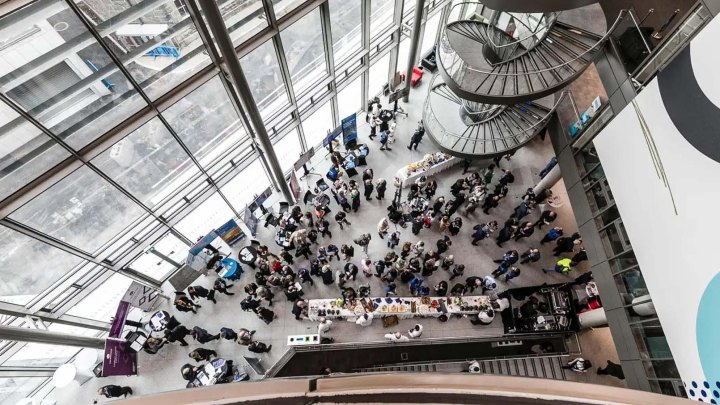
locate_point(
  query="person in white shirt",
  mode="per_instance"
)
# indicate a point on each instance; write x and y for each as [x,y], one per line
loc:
[416,331]
[484,317]
[488,284]
[324,326]
[474,367]
[365,319]
[396,337]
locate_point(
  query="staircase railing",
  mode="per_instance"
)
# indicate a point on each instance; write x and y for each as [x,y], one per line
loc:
[456,67]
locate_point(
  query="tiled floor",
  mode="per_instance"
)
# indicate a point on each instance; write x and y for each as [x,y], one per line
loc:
[161,372]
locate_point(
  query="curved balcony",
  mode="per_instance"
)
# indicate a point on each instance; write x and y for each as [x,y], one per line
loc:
[470,130]
[546,62]
[525,6]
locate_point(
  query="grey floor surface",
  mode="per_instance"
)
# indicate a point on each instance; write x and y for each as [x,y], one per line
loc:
[161,372]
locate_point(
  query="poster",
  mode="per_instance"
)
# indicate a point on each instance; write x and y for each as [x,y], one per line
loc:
[204,241]
[294,186]
[349,129]
[119,320]
[118,360]
[141,296]
[230,232]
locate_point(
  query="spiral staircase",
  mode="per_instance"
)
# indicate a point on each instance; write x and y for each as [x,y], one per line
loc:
[501,73]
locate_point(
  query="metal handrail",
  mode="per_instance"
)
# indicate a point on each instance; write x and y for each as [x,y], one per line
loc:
[534,33]
[552,68]
[428,107]
[480,359]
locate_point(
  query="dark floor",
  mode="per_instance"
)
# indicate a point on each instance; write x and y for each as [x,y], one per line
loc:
[347,360]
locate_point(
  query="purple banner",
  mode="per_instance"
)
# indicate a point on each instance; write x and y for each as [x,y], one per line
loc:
[118,359]
[119,319]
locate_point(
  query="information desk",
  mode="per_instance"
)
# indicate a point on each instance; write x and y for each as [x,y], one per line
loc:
[409,173]
[211,373]
[402,307]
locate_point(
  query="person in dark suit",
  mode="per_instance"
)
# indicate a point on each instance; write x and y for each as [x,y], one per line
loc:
[177,334]
[200,291]
[115,391]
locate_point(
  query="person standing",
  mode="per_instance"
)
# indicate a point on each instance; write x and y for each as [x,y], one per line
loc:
[415,139]
[552,235]
[488,174]
[341,218]
[525,231]
[324,326]
[115,391]
[416,331]
[228,334]
[578,365]
[305,276]
[380,188]
[384,141]
[365,319]
[505,235]
[383,228]
[202,335]
[546,218]
[562,266]
[549,166]
[437,206]
[512,273]
[457,271]
[530,255]
[396,337]
[202,354]
[200,291]
[491,202]
[259,347]
[327,275]
[612,369]
[323,226]
[184,304]
[267,315]
[580,256]
[299,308]
[507,177]
[564,245]
[222,286]
[177,334]
[368,189]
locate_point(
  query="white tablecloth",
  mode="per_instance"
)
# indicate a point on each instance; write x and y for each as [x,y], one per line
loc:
[408,179]
[402,307]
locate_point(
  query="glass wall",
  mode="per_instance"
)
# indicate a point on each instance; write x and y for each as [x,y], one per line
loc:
[345,23]
[112,175]
[262,70]
[303,46]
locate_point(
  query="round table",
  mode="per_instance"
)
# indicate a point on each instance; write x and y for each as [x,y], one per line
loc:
[64,375]
[282,238]
[248,255]
[230,269]
[159,321]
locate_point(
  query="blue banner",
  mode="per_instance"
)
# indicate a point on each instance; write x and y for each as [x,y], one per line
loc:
[349,129]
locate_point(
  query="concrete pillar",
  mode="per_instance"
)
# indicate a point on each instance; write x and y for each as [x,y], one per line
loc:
[48,337]
[549,180]
[414,44]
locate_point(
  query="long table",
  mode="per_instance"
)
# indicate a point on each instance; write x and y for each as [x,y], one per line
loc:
[402,307]
[406,178]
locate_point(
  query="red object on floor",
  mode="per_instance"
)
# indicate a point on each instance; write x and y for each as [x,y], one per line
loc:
[416,76]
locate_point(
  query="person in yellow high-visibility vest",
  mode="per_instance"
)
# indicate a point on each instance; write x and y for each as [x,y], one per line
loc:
[562,266]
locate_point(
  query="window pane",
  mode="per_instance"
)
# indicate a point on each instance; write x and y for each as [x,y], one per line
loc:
[431,29]
[349,99]
[17,284]
[212,213]
[288,150]
[54,69]
[283,7]
[172,247]
[160,45]
[82,209]
[262,70]
[153,266]
[345,27]
[42,355]
[379,75]
[100,305]
[382,13]
[14,389]
[303,46]
[403,55]
[317,125]
[206,122]
[241,188]
[25,152]
[149,163]
[612,240]
[408,7]
[243,18]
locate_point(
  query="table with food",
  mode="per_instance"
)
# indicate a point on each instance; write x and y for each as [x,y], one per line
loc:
[402,307]
[431,163]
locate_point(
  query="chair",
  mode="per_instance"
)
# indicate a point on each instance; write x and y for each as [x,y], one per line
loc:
[351,172]
[270,220]
[284,207]
[308,198]
[417,75]
[322,185]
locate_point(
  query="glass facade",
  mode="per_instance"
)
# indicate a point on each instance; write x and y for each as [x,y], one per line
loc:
[120,144]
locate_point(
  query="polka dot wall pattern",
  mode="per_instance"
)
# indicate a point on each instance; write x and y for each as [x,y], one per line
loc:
[703,391]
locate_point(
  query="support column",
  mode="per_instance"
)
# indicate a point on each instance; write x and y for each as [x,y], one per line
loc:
[414,45]
[549,180]
[222,38]
[47,337]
